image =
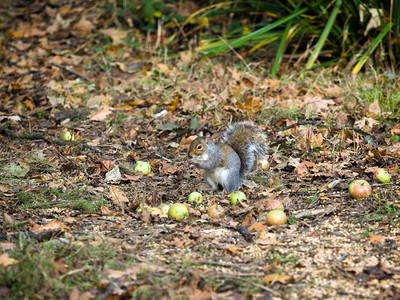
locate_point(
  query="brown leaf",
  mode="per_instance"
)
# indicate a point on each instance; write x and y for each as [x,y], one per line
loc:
[115,34]
[6,261]
[105,210]
[252,105]
[276,277]
[376,239]
[84,26]
[233,249]
[51,226]
[101,114]
[117,196]
[257,227]
[7,219]
[374,108]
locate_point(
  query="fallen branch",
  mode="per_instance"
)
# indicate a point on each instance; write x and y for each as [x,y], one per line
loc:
[315,212]
[70,70]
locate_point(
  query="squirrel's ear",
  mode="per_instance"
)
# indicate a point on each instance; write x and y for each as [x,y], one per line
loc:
[201,134]
[207,137]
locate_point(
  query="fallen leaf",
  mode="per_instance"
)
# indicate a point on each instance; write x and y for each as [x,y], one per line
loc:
[101,114]
[51,226]
[376,239]
[252,105]
[115,34]
[6,261]
[84,26]
[117,196]
[276,277]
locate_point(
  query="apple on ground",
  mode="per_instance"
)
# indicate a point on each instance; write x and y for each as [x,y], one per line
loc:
[216,211]
[195,197]
[237,196]
[360,189]
[274,204]
[142,166]
[178,211]
[276,217]
[382,175]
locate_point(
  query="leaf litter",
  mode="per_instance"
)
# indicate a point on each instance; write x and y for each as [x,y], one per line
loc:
[76,198]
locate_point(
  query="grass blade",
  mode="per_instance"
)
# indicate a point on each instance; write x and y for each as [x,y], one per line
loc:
[324,35]
[282,44]
[371,49]
[218,47]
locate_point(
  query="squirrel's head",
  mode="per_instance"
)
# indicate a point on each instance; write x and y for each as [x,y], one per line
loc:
[197,150]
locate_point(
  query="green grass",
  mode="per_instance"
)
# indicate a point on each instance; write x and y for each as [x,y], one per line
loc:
[76,197]
[54,268]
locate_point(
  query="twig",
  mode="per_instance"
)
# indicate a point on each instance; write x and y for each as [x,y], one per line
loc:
[247,281]
[220,264]
[70,70]
[315,212]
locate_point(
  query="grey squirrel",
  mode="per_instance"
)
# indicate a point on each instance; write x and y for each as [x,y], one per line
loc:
[227,163]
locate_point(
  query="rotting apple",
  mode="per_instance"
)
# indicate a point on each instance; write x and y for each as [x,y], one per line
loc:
[360,189]
[382,175]
[216,211]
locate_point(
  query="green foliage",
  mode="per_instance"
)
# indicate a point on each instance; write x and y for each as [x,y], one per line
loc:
[38,267]
[76,197]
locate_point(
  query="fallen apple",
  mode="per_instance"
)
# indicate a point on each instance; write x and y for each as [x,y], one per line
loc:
[178,211]
[142,166]
[276,217]
[382,175]
[195,197]
[68,136]
[263,164]
[164,208]
[237,196]
[216,211]
[274,205]
[360,189]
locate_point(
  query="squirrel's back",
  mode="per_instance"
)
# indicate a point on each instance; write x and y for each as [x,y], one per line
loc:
[250,143]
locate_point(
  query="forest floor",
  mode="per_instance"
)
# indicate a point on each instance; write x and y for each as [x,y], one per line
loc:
[78,223]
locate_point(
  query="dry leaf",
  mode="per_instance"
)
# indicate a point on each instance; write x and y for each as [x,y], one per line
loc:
[53,225]
[8,220]
[116,35]
[6,261]
[101,114]
[117,196]
[84,26]
[376,239]
[276,277]
[252,105]
[374,108]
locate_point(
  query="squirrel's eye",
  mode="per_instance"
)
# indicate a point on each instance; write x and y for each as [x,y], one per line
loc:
[199,147]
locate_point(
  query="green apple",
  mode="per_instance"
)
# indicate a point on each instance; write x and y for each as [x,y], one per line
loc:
[68,136]
[178,211]
[237,196]
[382,175]
[195,197]
[142,166]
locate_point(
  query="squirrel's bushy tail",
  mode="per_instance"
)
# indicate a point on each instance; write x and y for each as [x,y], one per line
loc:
[250,143]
